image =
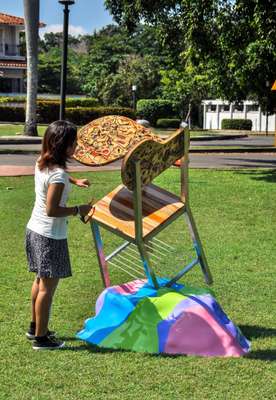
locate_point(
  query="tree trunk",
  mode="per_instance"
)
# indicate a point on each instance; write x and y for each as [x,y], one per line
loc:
[31,14]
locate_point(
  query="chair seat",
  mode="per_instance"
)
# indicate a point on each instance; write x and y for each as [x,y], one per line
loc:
[115,211]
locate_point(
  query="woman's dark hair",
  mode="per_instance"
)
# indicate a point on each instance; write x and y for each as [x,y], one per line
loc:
[59,136]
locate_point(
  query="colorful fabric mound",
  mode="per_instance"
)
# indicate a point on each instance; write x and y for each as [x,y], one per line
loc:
[179,320]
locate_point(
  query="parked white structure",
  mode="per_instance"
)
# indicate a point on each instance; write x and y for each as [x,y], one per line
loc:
[214,111]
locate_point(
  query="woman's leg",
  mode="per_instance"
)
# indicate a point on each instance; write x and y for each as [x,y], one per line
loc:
[34,293]
[47,287]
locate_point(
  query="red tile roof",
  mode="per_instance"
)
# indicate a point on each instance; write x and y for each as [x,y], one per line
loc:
[13,64]
[6,19]
[10,20]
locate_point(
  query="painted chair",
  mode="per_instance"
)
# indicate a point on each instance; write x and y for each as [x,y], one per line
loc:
[137,210]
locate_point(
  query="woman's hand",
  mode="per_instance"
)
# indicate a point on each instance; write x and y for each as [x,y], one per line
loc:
[82,183]
[84,209]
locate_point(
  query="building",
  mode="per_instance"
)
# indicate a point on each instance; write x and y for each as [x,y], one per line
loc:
[12,61]
[214,111]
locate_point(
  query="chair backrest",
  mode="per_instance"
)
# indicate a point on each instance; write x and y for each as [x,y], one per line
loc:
[154,158]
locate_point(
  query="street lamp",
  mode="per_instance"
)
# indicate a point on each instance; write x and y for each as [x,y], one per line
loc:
[63,77]
[134,88]
[266,114]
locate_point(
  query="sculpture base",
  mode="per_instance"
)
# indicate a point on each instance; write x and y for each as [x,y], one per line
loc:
[178,320]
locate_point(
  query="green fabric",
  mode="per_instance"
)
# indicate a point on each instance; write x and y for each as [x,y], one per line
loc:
[193,291]
[144,319]
[167,301]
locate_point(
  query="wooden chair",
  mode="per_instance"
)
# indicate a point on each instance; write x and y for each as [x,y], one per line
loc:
[137,210]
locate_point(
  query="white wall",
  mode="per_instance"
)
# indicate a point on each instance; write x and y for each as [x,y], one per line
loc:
[213,119]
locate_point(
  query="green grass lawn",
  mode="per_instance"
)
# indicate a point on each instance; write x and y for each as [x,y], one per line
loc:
[235,214]
[14,129]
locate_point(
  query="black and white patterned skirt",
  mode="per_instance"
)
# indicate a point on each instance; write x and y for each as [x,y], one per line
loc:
[48,258]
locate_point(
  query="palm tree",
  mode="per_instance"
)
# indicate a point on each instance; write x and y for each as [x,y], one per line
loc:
[31,14]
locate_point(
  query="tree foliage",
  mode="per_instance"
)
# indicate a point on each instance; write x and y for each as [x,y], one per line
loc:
[49,67]
[234,40]
[105,65]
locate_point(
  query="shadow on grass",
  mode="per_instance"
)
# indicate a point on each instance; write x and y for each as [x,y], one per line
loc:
[69,338]
[263,175]
[92,349]
[253,332]
[263,355]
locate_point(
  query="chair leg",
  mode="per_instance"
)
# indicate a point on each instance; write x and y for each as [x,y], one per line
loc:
[198,246]
[100,254]
[148,270]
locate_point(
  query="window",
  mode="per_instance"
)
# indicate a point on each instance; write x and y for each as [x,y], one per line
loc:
[1,41]
[211,108]
[252,107]
[238,107]
[224,107]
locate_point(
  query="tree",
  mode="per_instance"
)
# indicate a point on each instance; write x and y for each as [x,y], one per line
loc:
[187,86]
[49,71]
[117,60]
[235,40]
[31,14]
[133,69]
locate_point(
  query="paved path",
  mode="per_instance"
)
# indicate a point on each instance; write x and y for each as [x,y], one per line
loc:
[246,142]
[250,141]
[23,164]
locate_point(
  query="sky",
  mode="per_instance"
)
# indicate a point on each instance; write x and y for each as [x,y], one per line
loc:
[85,15]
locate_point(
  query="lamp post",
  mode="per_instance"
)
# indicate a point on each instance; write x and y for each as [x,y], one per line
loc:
[266,114]
[63,80]
[134,88]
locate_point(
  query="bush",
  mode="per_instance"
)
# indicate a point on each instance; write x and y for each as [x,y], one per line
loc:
[152,110]
[168,123]
[85,102]
[9,99]
[70,101]
[83,115]
[239,124]
[48,111]
[12,114]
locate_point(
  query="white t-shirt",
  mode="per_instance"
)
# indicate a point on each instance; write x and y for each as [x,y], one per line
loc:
[52,227]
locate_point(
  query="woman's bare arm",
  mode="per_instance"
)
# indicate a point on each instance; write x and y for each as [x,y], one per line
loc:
[53,209]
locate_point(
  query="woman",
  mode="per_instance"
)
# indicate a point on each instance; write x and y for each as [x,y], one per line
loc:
[46,234]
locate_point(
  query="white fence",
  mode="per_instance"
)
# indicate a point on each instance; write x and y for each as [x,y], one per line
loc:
[214,111]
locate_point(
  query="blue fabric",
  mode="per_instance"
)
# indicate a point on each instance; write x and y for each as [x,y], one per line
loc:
[114,312]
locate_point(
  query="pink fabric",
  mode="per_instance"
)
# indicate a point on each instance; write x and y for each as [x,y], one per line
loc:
[197,332]
[130,287]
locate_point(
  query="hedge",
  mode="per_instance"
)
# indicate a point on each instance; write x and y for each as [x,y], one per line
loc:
[85,102]
[4,100]
[239,124]
[153,109]
[70,101]
[168,123]
[12,114]
[49,112]
[83,115]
